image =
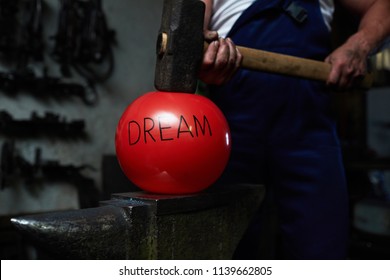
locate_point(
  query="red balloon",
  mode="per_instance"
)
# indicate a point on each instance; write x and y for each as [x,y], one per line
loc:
[172,143]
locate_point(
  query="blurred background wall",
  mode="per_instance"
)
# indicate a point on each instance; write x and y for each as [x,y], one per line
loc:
[135,25]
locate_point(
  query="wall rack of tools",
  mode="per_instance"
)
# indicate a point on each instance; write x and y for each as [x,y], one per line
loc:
[82,44]
[81,50]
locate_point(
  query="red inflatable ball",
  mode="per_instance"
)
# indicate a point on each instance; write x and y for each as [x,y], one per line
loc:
[172,143]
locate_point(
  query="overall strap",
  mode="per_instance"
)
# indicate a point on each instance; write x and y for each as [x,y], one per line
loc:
[284,22]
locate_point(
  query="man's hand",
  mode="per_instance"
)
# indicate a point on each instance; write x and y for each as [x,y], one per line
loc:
[220,61]
[349,64]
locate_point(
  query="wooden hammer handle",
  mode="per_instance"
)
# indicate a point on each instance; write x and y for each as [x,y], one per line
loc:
[290,65]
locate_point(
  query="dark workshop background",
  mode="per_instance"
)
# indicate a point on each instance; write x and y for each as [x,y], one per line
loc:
[135,24]
[364,119]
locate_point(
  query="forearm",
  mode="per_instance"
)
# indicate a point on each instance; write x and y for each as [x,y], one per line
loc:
[208,13]
[374,25]
[349,61]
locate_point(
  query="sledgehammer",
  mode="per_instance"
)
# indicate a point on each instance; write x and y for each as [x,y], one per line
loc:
[180,49]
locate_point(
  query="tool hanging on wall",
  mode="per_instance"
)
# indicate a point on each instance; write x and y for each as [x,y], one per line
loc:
[14,168]
[83,40]
[46,87]
[31,46]
[8,27]
[50,125]
[83,43]
[21,39]
[21,43]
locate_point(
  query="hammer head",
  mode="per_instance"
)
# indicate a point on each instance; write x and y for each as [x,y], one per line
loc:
[179,46]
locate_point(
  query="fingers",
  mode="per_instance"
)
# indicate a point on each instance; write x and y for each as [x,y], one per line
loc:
[220,62]
[225,57]
[210,35]
[348,68]
[344,76]
[233,59]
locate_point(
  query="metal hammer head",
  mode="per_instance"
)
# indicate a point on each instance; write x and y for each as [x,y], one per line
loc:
[179,45]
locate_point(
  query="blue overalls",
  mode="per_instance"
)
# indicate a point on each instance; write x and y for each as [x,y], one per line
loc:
[284,134]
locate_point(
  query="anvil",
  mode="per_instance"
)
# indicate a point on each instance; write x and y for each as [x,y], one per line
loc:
[140,225]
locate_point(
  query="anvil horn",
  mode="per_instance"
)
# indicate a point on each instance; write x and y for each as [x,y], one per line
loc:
[81,234]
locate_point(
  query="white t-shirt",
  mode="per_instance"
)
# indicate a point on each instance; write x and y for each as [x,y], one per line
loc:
[227,12]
